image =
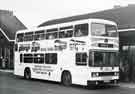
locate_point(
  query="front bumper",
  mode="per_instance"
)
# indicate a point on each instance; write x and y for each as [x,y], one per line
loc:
[102,82]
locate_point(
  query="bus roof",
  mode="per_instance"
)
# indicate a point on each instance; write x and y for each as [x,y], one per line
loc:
[68,23]
[72,18]
[29,30]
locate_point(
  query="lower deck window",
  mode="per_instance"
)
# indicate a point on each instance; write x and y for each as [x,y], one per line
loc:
[39,58]
[48,58]
[51,58]
[28,58]
[21,58]
[81,58]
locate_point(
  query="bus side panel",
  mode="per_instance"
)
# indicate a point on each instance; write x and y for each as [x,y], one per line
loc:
[79,73]
[17,65]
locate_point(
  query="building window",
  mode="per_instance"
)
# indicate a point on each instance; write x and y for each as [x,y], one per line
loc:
[51,58]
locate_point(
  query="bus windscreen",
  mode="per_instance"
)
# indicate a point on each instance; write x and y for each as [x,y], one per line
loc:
[99,59]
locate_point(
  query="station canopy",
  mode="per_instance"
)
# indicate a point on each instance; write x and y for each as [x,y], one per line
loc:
[10,24]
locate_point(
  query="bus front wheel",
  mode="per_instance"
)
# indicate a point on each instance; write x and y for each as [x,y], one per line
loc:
[66,79]
[27,74]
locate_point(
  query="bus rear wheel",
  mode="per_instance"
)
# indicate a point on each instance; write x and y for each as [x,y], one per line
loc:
[27,74]
[66,79]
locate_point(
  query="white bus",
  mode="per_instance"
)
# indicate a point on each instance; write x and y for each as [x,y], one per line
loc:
[83,52]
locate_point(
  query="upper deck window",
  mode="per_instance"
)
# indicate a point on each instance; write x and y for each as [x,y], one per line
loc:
[52,33]
[112,30]
[39,35]
[20,37]
[103,30]
[66,32]
[81,30]
[28,36]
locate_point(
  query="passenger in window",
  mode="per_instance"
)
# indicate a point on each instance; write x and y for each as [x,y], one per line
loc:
[69,34]
[66,34]
[62,34]
[51,37]
[79,33]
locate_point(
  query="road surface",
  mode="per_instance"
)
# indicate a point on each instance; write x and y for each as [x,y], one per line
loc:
[10,84]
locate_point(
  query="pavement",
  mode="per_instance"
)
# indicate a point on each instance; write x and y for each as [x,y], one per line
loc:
[127,84]
[121,84]
[5,70]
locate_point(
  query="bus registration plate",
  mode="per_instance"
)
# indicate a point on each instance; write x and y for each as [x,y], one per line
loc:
[107,79]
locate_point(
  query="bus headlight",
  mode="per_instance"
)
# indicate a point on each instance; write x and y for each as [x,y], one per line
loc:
[116,73]
[94,74]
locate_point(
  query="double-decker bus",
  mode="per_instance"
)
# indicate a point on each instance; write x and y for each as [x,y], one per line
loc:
[83,52]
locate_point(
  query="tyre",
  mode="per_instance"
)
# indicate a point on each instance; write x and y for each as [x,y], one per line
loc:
[66,79]
[27,74]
